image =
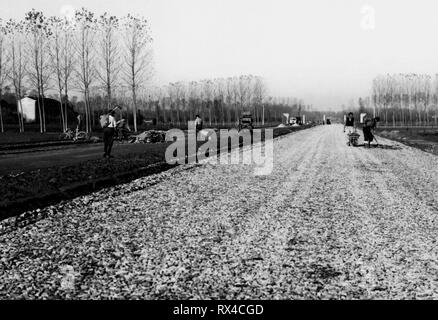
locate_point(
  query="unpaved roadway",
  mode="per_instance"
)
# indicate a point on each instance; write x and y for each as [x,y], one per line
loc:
[331,221]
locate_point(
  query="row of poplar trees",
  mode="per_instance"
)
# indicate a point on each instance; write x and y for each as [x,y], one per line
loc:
[406,99]
[76,53]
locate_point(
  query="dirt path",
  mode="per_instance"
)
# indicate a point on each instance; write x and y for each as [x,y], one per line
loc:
[330,222]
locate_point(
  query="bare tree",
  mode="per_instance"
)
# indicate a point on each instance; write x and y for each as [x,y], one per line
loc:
[243,90]
[180,91]
[62,62]
[4,68]
[85,51]
[37,28]
[219,97]
[229,97]
[15,32]
[160,97]
[235,89]
[109,54]
[137,67]
[426,84]
[435,100]
[259,93]
[193,97]
[207,93]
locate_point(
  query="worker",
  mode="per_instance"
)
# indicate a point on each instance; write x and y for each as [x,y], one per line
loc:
[349,123]
[198,123]
[108,134]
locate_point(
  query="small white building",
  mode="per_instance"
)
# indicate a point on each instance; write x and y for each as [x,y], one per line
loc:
[28,107]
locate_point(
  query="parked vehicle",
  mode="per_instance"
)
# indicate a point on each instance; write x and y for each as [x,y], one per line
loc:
[296,121]
[246,121]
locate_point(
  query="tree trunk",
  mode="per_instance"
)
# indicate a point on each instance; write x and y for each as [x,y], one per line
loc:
[66,103]
[1,113]
[20,114]
[386,116]
[62,112]
[222,113]
[134,107]
[86,111]
[157,112]
[43,110]
[39,111]
[1,118]
[90,128]
[236,112]
[164,111]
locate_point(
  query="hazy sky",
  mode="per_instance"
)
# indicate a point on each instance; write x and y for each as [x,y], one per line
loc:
[324,51]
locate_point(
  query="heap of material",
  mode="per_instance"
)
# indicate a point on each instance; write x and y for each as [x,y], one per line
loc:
[151,136]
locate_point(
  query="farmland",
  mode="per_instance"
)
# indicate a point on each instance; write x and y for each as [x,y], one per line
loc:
[424,138]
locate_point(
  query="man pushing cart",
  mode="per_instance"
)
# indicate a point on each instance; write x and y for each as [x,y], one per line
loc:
[350,128]
[369,124]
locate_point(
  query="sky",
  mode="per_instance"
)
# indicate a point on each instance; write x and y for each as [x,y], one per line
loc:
[325,52]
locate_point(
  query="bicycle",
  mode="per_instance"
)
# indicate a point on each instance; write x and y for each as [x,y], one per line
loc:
[76,135]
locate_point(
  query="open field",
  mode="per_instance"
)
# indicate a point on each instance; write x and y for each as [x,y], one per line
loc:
[331,221]
[424,138]
[8,138]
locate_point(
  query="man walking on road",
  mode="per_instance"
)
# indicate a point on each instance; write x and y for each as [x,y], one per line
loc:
[198,123]
[108,134]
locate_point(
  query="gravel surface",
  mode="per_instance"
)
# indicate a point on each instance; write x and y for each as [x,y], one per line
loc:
[331,221]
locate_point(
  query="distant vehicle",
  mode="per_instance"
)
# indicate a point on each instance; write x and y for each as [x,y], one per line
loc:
[296,121]
[246,121]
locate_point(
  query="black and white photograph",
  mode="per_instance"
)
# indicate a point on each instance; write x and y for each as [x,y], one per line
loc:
[218,150]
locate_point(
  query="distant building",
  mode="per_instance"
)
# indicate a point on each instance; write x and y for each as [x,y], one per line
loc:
[28,107]
[52,110]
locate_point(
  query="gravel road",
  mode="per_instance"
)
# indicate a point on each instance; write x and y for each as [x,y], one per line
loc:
[331,221]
